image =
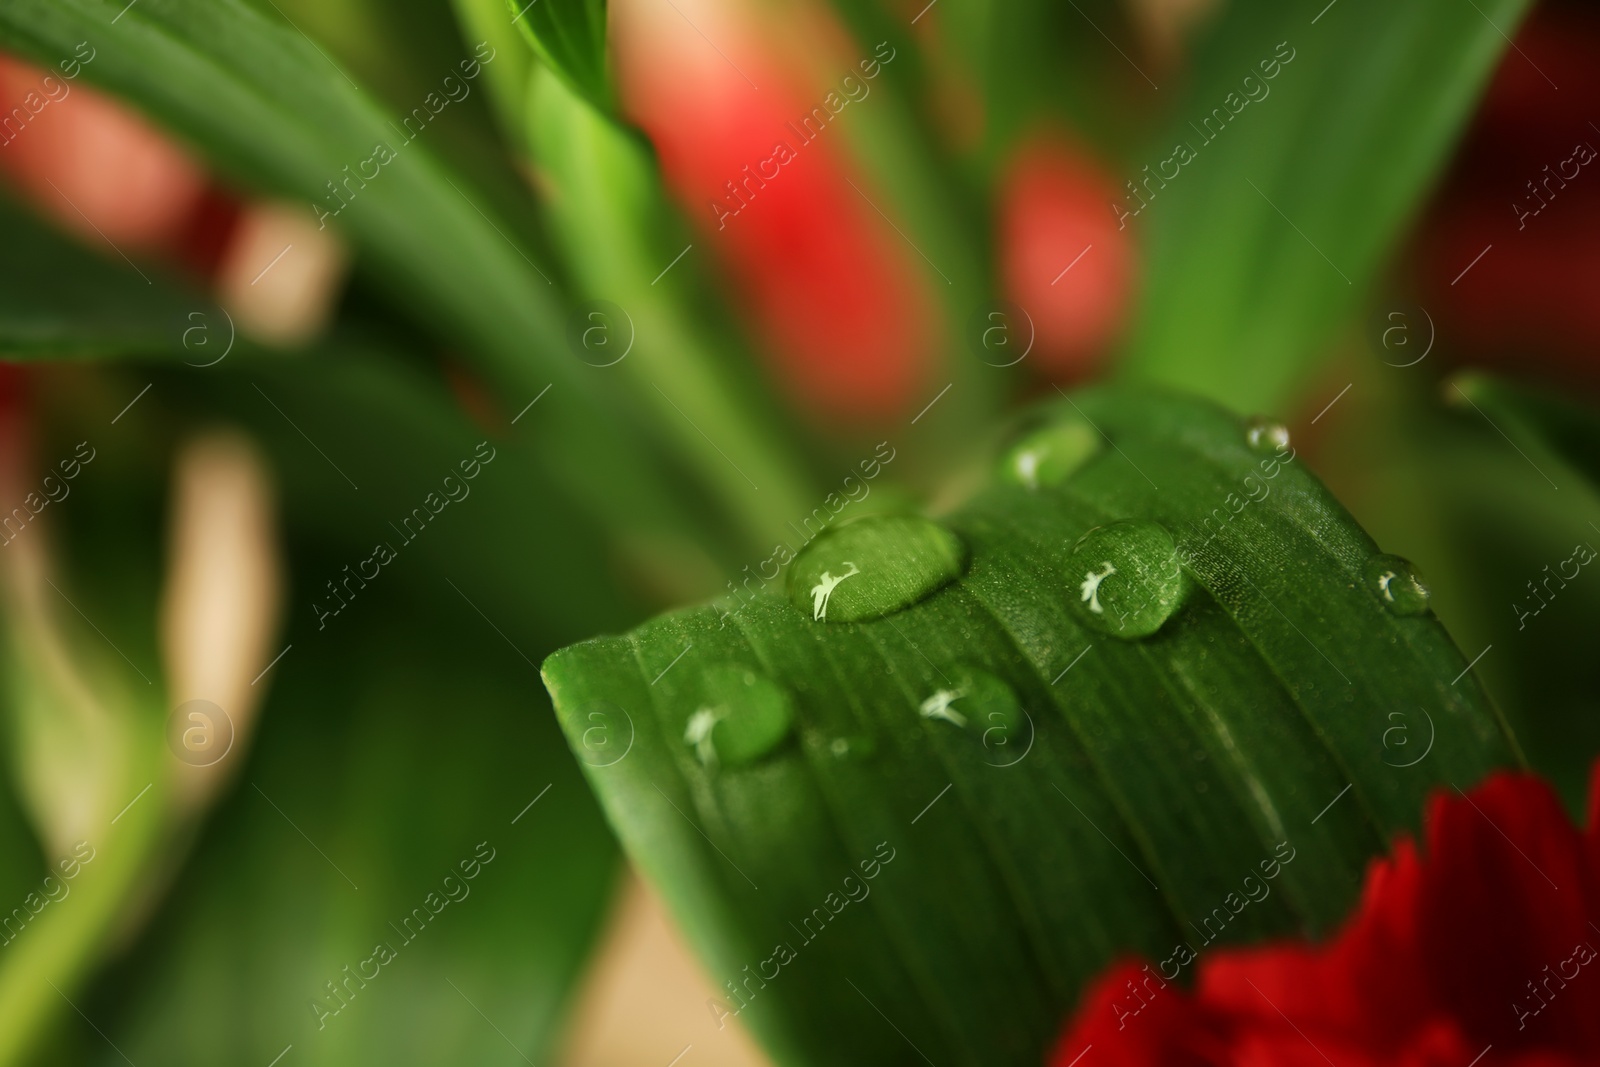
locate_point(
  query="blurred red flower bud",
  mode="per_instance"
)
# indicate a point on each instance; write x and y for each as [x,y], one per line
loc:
[1062,256]
[822,279]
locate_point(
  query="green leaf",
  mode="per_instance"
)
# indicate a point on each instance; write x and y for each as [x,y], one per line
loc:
[264,103]
[58,300]
[397,735]
[1262,243]
[1494,487]
[1033,791]
[611,215]
[396,746]
[570,37]
[485,20]
[1036,62]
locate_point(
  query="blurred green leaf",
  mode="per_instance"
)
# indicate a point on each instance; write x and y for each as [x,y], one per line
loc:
[58,300]
[609,212]
[508,78]
[400,732]
[1262,243]
[1118,805]
[266,104]
[84,701]
[1037,62]
[400,745]
[402,51]
[570,37]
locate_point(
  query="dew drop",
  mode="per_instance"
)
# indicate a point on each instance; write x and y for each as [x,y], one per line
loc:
[873,567]
[852,748]
[984,707]
[1051,454]
[1126,578]
[1395,582]
[1266,435]
[743,715]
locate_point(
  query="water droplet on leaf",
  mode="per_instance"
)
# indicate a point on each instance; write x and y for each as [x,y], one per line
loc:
[1126,578]
[873,567]
[1051,454]
[852,747]
[1266,435]
[939,706]
[743,716]
[1397,586]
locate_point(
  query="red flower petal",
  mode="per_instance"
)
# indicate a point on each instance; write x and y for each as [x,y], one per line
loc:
[1481,946]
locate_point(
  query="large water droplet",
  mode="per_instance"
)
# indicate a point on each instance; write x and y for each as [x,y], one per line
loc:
[1397,586]
[1126,579]
[1266,435]
[743,715]
[1051,454]
[872,567]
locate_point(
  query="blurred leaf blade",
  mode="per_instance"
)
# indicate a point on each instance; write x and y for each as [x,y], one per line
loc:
[400,731]
[397,796]
[611,215]
[58,300]
[265,104]
[1297,184]
[570,37]
[1161,772]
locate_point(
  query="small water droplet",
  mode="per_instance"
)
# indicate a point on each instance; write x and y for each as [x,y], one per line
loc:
[743,715]
[857,748]
[1397,586]
[1126,578]
[1051,454]
[1266,435]
[873,567]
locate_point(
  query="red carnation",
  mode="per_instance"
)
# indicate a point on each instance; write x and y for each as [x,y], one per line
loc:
[1480,952]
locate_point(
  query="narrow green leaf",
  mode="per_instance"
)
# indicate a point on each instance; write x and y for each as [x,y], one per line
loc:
[996,789]
[621,236]
[1296,161]
[570,37]
[58,300]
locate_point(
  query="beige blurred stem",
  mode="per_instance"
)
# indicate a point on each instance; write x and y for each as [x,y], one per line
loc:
[644,999]
[89,742]
[222,600]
